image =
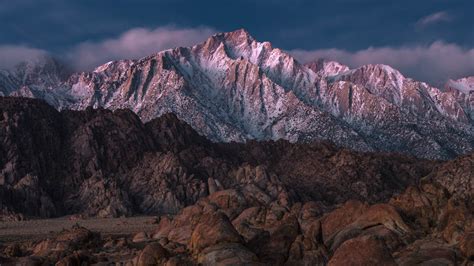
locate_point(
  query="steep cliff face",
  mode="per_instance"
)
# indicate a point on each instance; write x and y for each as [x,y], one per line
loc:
[234,88]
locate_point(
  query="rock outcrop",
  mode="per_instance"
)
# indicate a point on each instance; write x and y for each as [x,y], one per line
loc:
[108,164]
[257,203]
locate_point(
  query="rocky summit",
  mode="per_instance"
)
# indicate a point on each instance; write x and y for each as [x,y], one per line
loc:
[234,88]
[254,203]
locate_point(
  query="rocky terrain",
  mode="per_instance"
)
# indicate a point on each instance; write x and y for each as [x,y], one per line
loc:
[253,203]
[234,88]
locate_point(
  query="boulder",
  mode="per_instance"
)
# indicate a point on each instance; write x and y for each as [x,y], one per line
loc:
[421,204]
[227,254]
[341,217]
[213,228]
[72,239]
[77,258]
[364,250]
[304,251]
[211,185]
[384,214]
[183,224]
[274,248]
[250,223]
[152,254]
[140,237]
[230,201]
[427,252]
[455,218]
[467,245]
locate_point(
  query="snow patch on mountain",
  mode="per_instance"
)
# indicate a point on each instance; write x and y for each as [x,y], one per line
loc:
[464,85]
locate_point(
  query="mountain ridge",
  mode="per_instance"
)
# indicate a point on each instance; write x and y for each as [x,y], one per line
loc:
[234,88]
[70,152]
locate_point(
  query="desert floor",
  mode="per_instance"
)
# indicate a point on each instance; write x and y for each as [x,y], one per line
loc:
[42,228]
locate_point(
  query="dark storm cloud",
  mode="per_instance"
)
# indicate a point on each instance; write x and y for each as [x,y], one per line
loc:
[69,28]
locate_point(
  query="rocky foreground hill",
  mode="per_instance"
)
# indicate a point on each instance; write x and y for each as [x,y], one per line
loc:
[234,88]
[254,203]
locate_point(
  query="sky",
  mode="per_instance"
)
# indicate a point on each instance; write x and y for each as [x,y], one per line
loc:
[429,40]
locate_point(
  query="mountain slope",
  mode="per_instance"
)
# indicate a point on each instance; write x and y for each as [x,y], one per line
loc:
[234,88]
[463,90]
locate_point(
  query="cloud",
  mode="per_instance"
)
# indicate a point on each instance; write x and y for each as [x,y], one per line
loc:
[433,19]
[434,63]
[136,43]
[11,55]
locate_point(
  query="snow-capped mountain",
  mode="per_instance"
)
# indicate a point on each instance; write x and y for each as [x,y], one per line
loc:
[463,90]
[327,68]
[464,85]
[234,88]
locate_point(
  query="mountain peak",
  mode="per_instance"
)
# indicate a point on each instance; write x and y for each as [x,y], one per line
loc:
[239,36]
[464,85]
[46,70]
[327,67]
[386,68]
[233,38]
[377,75]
